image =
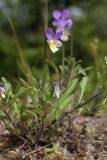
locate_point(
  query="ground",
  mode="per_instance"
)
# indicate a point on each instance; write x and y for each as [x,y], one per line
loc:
[87,140]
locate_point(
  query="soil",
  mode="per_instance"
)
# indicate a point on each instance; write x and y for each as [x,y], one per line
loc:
[86,140]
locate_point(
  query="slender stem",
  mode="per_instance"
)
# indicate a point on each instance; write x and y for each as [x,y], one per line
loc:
[45,27]
[63,54]
[9,118]
[26,69]
[51,64]
[71,45]
[89,100]
[83,104]
[46,14]
[37,150]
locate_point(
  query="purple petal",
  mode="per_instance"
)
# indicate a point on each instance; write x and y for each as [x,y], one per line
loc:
[54,23]
[65,13]
[61,23]
[49,33]
[69,23]
[58,35]
[2,89]
[56,14]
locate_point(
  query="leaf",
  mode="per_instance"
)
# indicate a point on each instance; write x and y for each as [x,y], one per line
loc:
[8,89]
[83,85]
[33,81]
[45,84]
[62,103]
[35,91]
[53,149]
[22,90]
[24,83]
[105,60]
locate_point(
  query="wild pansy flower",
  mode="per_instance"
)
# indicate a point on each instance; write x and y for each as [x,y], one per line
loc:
[52,39]
[2,90]
[62,22]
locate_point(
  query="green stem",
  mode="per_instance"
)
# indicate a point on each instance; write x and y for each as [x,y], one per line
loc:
[51,64]
[46,26]
[63,55]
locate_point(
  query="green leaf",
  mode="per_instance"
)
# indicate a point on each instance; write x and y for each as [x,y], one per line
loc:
[45,84]
[83,85]
[24,83]
[8,89]
[106,60]
[62,103]
[22,90]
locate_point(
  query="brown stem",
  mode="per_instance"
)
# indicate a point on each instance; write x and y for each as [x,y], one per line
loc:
[46,26]
[37,150]
[9,118]
[89,100]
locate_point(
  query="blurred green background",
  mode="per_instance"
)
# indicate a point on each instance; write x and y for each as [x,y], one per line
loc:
[89,32]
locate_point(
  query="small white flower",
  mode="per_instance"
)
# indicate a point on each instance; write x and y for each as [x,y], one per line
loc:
[56,89]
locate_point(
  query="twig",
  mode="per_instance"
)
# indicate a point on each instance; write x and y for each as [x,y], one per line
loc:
[37,150]
[10,119]
[80,106]
[22,145]
[89,100]
[102,146]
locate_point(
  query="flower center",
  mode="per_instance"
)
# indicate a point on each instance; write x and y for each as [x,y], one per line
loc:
[52,45]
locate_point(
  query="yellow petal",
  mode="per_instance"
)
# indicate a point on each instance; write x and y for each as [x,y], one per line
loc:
[53,47]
